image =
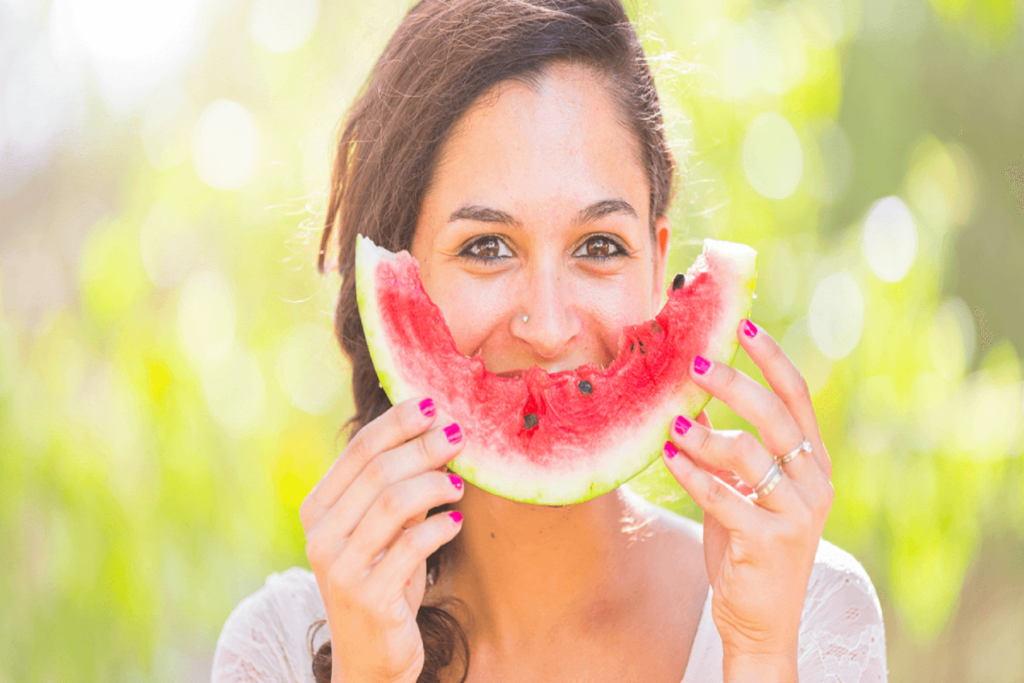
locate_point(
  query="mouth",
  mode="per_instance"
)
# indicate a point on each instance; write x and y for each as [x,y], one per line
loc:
[511,374]
[518,374]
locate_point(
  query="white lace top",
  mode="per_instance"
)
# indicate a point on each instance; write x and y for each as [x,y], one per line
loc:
[842,638]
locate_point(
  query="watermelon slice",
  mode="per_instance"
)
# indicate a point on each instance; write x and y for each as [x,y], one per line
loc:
[564,437]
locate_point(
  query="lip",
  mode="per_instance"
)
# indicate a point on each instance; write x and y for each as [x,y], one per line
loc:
[518,374]
[511,374]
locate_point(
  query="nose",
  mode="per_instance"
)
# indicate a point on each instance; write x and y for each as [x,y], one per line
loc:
[546,318]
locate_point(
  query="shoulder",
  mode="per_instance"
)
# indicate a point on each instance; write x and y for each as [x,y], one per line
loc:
[265,638]
[285,597]
[837,574]
[841,630]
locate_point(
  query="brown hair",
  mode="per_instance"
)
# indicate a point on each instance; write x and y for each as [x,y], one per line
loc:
[443,56]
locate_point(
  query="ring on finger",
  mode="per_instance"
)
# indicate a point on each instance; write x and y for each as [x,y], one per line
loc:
[770,480]
[804,447]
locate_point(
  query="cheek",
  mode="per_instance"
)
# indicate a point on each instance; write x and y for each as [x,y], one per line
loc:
[606,310]
[477,311]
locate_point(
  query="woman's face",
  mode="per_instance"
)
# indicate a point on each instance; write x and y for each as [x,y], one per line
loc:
[534,238]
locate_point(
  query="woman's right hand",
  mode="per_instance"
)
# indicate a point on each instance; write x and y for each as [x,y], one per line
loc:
[368,539]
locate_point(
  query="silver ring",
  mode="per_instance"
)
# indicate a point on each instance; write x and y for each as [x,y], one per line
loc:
[770,481]
[804,447]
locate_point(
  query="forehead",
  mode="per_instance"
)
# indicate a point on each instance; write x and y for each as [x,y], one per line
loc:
[558,136]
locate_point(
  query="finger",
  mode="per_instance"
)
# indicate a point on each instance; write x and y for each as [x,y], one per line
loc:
[729,477]
[412,549]
[734,450]
[762,408]
[788,384]
[399,424]
[804,469]
[732,510]
[751,401]
[393,507]
[423,454]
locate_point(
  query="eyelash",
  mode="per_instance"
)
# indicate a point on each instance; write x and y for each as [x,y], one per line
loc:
[466,253]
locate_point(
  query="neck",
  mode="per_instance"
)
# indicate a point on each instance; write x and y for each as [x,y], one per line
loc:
[527,572]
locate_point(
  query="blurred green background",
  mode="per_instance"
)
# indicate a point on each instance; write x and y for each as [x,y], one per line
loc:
[170,391]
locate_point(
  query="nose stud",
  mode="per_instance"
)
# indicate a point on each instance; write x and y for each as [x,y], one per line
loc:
[526,318]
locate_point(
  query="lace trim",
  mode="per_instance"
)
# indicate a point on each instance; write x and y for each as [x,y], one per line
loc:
[265,638]
[842,637]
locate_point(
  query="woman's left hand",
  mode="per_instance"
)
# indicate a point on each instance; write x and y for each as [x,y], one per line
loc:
[758,551]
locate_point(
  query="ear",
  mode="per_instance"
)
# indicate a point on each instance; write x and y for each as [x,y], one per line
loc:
[663,243]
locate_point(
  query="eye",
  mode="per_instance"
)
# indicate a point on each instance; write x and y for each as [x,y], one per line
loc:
[600,247]
[487,248]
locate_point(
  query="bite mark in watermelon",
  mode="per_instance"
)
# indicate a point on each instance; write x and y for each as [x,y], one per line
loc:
[564,437]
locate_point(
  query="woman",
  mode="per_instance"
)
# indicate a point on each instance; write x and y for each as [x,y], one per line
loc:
[516,149]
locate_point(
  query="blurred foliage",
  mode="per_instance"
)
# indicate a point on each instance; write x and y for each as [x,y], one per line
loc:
[169,387]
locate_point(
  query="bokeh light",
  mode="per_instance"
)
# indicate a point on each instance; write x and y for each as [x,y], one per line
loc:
[773,157]
[283,26]
[225,145]
[133,46]
[951,339]
[890,239]
[836,315]
[207,316]
[234,389]
[737,52]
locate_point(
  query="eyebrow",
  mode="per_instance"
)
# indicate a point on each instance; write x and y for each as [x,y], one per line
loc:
[593,212]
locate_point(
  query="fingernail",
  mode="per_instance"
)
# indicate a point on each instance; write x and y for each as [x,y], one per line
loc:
[453,433]
[682,426]
[456,516]
[456,481]
[427,407]
[701,365]
[670,450]
[749,329]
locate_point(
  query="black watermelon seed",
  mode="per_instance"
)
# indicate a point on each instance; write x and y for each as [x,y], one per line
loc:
[585,387]
[678,281]
[530,421]
[631,347]
[642,349]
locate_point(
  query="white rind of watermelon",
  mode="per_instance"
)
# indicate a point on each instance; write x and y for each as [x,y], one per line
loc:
[555,463]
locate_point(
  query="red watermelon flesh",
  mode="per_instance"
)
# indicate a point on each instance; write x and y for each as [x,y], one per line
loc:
[564,437]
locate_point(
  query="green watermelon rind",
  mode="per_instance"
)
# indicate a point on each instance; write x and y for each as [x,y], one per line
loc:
[634,452]
[368,255]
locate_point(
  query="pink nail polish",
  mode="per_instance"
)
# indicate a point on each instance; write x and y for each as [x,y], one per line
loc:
[456,516]
[749,329]
[453,433]
[456,481]
[670,450]
[701,365]
[427,407]
[681,426]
